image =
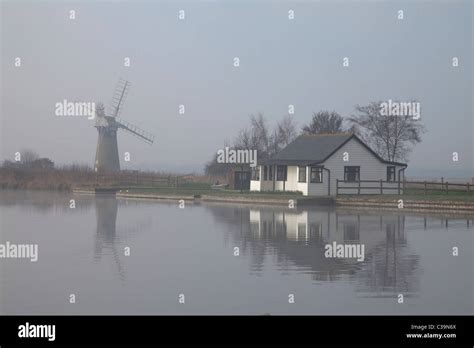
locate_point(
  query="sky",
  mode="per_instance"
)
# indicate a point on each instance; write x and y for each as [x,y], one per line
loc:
[191,62]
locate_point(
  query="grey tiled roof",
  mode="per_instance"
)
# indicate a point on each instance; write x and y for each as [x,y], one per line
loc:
[314,149]
[307,149]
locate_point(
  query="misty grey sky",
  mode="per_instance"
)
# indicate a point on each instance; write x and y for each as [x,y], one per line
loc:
[190,62]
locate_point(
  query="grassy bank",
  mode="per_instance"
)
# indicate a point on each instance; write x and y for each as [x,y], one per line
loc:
[60,179]
[44,179]
[205,189]
[199,189]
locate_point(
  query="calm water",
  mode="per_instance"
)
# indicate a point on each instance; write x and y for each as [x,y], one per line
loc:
[191,251]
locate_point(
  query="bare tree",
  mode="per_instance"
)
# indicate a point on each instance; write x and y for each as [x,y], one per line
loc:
[324,122]
[28,156]
[286,131]
[214,168]
[283,134]
[244,139]
[255,137]
[391,137]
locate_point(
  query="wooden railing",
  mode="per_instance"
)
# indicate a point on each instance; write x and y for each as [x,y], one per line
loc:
[444,187]
[381,187]
[377,187]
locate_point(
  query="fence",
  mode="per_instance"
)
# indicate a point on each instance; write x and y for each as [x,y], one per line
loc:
[140,179]
[442,187]
[368,187]
[400,187]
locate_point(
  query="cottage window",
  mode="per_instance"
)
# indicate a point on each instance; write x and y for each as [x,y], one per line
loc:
[281,173]
[301,174]
[316,175]
[351,173]
[265,172]
[391,173]
[270,172]
[256,174]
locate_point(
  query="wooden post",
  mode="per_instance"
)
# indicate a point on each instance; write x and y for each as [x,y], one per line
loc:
[381,187]
[425,187]
[337,187]
[447,188]
[358,187]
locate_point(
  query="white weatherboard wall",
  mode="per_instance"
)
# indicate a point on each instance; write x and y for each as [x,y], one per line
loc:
[371,168]
[291,183]
[291,179]
[255,185]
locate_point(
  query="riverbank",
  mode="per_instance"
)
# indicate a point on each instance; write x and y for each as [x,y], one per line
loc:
[209,195]
[409,203]
[416,203]
[44,179]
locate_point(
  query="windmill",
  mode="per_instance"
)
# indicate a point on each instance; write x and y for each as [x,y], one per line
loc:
[107,157]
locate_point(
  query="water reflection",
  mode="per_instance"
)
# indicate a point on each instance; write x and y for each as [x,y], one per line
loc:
[105,240]
[174,249]
[296,238]
[109,242]
[44,202]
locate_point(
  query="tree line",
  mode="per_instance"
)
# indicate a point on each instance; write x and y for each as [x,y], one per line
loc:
[392,137]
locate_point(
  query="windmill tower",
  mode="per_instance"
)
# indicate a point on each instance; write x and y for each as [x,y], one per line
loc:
[107,156]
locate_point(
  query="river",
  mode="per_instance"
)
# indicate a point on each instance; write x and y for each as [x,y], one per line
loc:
[120,256]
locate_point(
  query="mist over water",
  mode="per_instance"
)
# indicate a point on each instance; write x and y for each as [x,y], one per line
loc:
[191,251]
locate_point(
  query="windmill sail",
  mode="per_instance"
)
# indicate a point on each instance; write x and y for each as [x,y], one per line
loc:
[107,155]
[147,137]
[118,98]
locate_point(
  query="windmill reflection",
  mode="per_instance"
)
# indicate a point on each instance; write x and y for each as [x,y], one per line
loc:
[110,241]
[106,240]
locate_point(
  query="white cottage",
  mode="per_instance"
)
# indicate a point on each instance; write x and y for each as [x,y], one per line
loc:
[328,164]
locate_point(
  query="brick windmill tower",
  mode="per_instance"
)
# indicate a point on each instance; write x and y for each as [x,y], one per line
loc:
[107,155]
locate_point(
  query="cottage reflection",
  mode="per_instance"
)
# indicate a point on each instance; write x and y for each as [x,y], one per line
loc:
[298,237]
